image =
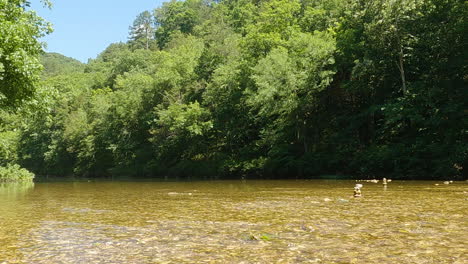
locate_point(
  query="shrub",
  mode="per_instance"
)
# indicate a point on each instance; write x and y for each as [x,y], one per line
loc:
[14,173]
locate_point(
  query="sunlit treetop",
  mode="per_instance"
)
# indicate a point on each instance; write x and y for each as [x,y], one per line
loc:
[20,48]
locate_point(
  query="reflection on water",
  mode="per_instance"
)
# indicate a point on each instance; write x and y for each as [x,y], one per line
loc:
[235,222]
[13,190]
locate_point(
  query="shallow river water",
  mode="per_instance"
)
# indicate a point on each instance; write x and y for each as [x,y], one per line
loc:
[234,222]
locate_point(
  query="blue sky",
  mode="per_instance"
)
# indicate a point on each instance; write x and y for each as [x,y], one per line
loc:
[84,28]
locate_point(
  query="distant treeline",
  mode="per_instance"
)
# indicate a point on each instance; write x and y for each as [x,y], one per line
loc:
[258,88]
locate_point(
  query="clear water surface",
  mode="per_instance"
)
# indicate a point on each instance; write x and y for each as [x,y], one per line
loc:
[233,222]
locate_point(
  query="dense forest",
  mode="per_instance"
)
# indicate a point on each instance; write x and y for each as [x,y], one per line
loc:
[245,88]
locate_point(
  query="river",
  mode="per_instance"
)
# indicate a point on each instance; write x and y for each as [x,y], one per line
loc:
[314,221]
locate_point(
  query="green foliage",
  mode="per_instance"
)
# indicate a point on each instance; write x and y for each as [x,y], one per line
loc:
[19,51]
[270,88]
[9,136]
[14,173]
[188,119]
[321,15]
[142,31]
[57,64]
[177,16]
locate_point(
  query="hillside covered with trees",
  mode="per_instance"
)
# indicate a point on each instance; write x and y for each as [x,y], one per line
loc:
[58,64]
[253,88]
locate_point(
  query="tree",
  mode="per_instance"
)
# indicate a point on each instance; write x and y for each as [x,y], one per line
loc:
[276,23]
[142,31]
[20,48]
[273,88]
[57,64]
[177,16]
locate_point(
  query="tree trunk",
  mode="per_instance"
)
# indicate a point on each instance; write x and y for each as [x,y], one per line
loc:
[402,70]
[147,38]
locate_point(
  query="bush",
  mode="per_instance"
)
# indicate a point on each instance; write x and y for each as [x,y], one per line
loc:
[14,173]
